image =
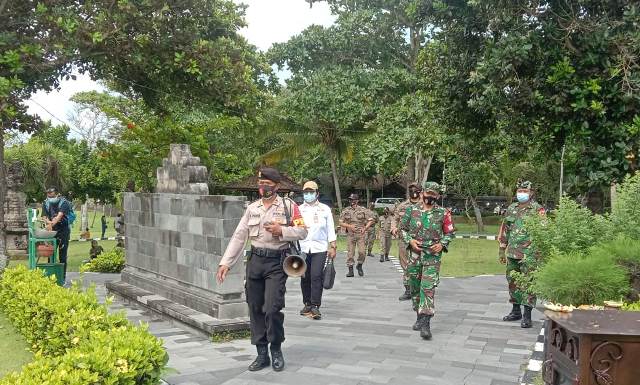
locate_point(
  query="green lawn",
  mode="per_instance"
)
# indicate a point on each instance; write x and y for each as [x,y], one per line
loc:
[78,251]
[13,348]
[96,229]
[466,257]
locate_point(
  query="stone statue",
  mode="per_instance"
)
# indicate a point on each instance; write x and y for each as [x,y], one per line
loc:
[15,215]
[181,173]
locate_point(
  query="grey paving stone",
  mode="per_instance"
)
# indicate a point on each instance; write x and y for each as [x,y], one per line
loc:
[365,337]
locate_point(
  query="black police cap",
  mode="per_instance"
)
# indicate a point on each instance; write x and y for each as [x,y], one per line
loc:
[271,174]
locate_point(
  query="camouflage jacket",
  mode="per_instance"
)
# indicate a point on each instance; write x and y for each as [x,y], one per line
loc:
[427,226]
[358,216]
[376,220]
[398,212]
[385,224]
[513,236]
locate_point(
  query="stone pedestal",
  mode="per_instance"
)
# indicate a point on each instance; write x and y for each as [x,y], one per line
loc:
[174,242]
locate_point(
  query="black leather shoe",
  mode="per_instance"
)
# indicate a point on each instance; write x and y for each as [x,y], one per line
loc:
[381,258]
[315,312]
[278,360]
[359,268]
[419,321]
[350,273]
[305,310]
[262,361]
[526,318]
[406,296]
[425,328]
[386,258]
[515,314]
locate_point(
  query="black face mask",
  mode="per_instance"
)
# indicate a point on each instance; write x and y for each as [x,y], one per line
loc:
[414,194]
[430,200]
[266,191]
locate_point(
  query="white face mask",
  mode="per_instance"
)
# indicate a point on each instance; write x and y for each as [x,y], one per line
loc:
[309,197]
[522,197]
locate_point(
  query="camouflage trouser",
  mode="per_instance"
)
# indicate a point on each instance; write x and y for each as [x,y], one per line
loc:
[518,295]
[402,256]
[424,275]
[370,240]
[385,243]
[354,240]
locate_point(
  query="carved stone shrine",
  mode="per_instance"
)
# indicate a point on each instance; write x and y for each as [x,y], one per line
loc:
[15,213]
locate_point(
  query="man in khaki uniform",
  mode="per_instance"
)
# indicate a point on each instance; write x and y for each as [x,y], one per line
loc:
[398,212]
[371,234]
[270,223]
[386,222]
[356,220]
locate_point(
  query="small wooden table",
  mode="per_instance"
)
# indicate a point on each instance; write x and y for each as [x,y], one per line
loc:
[592,347]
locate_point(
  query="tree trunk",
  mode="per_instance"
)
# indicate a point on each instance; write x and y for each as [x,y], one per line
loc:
[425,169]
[478,214]
[4,260]
[411,171]
[613,194]
[368,190]
[336,183]
[84,216]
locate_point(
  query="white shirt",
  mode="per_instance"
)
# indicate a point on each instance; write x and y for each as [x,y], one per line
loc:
[321,230]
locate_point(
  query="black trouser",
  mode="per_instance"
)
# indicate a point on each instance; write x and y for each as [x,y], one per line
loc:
[104,229]
[265,288]
[311,282]
[63,246]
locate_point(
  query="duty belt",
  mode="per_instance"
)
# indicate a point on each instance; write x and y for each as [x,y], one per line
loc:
[266,253]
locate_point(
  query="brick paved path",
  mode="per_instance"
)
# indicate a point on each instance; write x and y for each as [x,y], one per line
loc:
[365,337]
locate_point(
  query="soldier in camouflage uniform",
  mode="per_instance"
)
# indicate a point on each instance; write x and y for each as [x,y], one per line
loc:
[427,229]
[356,220]
[403,251]
[516,251]
[386,221]
[371,234]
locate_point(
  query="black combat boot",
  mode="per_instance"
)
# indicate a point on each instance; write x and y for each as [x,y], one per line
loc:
[407,294]
[515,314]
[425,328]
[419,321]
[386,257]
[350,273]
[278,358]
[262,361]
[359,268]
[381,258]
[526,318]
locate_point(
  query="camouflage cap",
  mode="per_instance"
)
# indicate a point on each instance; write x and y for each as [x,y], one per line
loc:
[431,186]
[524,184]
[354,197]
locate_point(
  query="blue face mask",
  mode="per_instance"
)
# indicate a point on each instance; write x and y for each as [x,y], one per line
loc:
[522,197]
[309,197]
[53,201]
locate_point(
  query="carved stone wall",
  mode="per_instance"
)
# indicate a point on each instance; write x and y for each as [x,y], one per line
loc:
[181,173]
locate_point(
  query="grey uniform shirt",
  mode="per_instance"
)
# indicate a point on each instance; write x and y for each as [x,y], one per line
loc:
[251,227]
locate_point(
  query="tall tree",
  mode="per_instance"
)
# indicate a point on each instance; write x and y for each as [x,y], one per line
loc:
[330,108]
[147,50]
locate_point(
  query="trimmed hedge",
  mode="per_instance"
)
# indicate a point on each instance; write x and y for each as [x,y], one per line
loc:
[111,261]
[75,339]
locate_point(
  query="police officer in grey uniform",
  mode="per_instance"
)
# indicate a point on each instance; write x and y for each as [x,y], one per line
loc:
[270,224]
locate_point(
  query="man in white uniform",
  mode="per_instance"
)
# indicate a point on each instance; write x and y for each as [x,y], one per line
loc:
[319,244]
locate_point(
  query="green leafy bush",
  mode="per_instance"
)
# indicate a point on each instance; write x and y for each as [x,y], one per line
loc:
[625,213]
[577,279]
[572,228]
[110,262]
[75,339]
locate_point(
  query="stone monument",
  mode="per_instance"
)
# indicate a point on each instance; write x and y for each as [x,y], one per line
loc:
[15,213]
[175,238]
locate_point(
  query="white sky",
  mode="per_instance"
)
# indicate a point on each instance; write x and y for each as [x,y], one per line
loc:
[269,21]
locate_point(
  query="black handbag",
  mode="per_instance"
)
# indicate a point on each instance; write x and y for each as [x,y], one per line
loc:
[329,275]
